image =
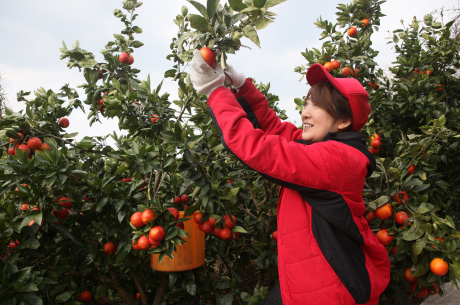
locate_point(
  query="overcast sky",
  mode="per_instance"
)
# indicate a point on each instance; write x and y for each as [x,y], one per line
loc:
[33,32]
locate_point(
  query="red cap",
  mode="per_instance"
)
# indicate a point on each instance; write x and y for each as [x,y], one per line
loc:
[351,88]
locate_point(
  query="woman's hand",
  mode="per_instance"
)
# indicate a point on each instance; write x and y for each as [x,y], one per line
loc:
[204,78]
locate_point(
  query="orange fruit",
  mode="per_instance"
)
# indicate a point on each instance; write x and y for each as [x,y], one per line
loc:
[86,296]
[275,235]
[225,233]
[148,216]
[110,248]
[365,22]
[411,169]
[375,143]
[64,122]
[136,220]
[384,212]
[401,217]
[384,237]
[439,266]
[329,67]
[346,72]
[375,136]
[352,31]
[408,276]
[157,233]
[143,242]
[34,143]
[335,64]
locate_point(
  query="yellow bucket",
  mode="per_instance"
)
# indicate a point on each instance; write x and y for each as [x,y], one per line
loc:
[189,255]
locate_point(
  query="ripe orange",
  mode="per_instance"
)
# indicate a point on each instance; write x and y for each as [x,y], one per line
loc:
[434,290]
[110,248]
[148,216]
[206,227]
[135,245]
[124,58]
[329,67]
[375,136]
[275,235]
[365,22]
[346,72]
[384,237]
[355,73]
[65,201]
[335,64]
[154,118]
[34,143]
[209,56]
[384,212]
[86,296]
[423,292]
[212,221]
[175,213]
[64,122]
[225,233]
[143,242]
[401,217]
[136,220]
[375,143]
[45,146]
[369,216]
[411,169]
[439,266]
[352,31]
[197,217]
[157,233]
[25,148]
[408,276]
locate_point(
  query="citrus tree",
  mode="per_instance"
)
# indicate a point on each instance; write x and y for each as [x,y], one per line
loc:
[412,197]
[80,219]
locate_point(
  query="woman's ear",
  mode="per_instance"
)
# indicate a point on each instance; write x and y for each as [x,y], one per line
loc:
[344,123]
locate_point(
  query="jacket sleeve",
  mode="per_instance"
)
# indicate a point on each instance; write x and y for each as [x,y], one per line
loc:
[261,115]
[283,161]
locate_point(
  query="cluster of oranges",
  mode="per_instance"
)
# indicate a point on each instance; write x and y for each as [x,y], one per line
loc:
[375,143]
[222,227]
[438,266]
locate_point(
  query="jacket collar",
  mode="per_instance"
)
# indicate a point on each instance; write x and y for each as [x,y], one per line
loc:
[353,139]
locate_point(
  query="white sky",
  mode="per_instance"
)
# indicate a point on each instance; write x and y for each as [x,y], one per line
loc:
[32,32]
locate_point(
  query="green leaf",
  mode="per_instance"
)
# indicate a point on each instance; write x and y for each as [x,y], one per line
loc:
[197,22]
[415,232]
[200,7]
[212,6]
[251,33]
[30,243]
[29,287]
[259,3]
[271,3]
[65,296]
[136,44]
[237,5]
[239,229]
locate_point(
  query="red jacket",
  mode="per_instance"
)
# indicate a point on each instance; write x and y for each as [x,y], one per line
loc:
[326,252]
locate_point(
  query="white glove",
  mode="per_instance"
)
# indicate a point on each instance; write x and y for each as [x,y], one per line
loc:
[234,78]
[203,77]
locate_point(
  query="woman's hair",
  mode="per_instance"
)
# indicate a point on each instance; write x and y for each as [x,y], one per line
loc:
[327,97]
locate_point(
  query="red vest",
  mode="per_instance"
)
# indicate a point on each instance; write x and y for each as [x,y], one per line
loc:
[326,252]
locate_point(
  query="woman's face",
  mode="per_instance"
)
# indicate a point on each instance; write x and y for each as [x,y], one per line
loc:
[317,122]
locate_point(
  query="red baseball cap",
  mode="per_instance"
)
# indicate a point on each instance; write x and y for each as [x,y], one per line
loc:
[350,88]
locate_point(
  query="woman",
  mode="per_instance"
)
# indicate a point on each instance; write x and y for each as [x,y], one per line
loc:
[326,252]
